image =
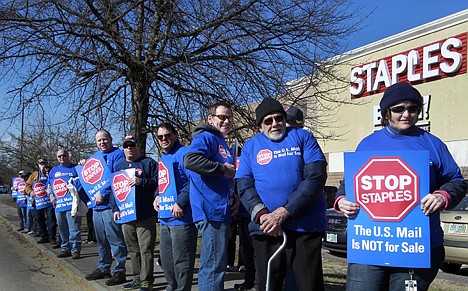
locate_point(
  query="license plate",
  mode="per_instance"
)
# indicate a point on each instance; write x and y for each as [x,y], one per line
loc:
[332,237]
[456,228]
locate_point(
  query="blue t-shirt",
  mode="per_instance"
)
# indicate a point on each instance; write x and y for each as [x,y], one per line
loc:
[442,166]
[277,168]
[179,191]
[210,195]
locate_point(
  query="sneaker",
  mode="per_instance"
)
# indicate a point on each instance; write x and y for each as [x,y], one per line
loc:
[97,274]
[146,286]
[31,232]
[20,229]
[43,240]
[24,231]
[76,255]
[135,284]
[57,245]
[117,279]
[63,254]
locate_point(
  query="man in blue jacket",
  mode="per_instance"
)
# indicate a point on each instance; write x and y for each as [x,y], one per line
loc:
[109,237]
[212,193]
[280,180]
[178,233]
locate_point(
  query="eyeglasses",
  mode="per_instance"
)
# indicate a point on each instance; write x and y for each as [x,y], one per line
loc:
[278,118]
[163,136]
[402,108]
[224,117]
[129,145]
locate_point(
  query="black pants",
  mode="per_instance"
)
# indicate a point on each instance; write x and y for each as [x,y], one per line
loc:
[303,252]
[247,253]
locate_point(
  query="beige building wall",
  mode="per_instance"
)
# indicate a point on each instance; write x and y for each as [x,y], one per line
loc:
[446,109]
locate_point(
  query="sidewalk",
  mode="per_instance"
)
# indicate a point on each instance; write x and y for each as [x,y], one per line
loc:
[77,269]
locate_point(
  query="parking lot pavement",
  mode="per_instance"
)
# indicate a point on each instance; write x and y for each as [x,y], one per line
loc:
[77,269]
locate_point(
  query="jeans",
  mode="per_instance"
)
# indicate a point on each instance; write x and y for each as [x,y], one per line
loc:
[368,277]
[213,257]
[70,231]
[46,222]
[110,241]
[31,220]
[23,216]
[178,245]
[140,238]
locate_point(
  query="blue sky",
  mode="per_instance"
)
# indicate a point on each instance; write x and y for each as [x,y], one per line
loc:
[394,16]
[389,17]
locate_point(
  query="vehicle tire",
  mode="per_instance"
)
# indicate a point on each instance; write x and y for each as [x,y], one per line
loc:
[450,267]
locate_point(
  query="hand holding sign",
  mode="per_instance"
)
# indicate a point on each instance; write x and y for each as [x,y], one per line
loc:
[432,202]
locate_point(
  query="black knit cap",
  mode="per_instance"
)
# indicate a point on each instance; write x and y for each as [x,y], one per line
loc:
[268,106]
[399,92]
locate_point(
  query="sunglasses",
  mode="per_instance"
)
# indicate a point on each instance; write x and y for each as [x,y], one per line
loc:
[278,118]
[163,136]
[402,108]
[223,117]
[129,145]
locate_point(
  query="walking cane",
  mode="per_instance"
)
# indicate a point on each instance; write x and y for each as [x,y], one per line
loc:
[282,246]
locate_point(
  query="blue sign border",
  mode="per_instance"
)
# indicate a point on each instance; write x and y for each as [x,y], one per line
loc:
[398,244]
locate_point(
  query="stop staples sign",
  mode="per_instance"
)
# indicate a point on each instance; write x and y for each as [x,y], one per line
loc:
[60,187]
[386,188]
[39,189]
[92,171]
[121,187]
[163,177]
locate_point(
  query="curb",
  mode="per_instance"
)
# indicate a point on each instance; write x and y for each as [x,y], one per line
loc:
[71,271]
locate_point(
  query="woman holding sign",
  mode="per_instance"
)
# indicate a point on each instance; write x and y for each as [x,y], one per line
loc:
[400,106]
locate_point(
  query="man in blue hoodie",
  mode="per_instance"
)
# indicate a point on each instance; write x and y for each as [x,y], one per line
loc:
[178,232]
[280,180]
[109,237]
[212,193]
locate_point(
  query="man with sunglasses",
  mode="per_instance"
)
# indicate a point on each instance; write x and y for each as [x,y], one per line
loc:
[69,227]
[280,179]
[140,234]
[212,193]
[178,234]
[109,238]
[400,106]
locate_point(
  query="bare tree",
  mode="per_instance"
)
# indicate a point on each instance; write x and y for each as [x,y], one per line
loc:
[139,62]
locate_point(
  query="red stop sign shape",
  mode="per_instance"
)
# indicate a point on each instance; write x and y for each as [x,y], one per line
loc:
[60,187]
[39,189]
[21,186]
[386,188]
[264,157]
[92,171]
[121,187]
[164,177]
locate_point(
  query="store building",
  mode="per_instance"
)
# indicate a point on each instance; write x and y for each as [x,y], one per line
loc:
[432,57]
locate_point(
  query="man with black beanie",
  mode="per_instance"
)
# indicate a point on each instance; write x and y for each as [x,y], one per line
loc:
[280,180]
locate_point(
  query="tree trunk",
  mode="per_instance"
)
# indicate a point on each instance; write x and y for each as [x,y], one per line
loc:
[139,114]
